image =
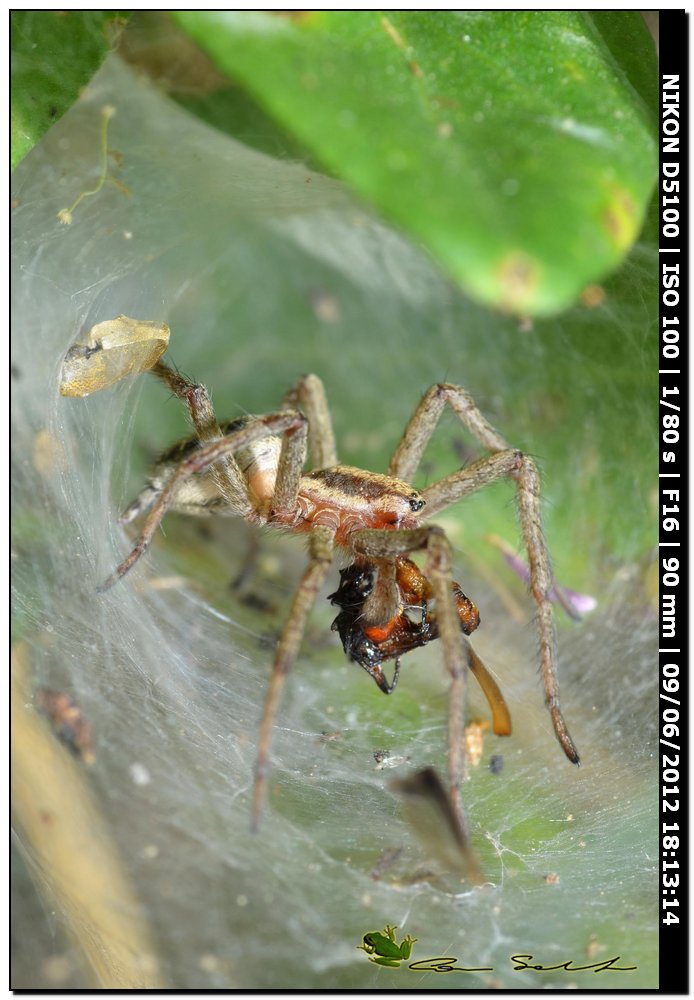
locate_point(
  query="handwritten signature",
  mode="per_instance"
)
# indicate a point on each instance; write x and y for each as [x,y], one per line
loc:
[608,964]
[521,962]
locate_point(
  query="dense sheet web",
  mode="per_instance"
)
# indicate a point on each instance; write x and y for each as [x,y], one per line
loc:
[264,270]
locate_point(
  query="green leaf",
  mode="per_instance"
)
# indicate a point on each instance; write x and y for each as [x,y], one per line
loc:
[517,146]
[631,48]
[54,55]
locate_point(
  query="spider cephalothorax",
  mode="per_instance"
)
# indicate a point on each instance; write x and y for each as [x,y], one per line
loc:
[253,467]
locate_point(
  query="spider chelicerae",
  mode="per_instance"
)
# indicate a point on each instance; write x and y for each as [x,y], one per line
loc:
[253,467]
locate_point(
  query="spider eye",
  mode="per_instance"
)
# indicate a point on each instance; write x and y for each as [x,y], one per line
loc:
[416,502]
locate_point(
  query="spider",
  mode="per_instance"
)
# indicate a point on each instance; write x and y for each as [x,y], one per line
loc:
[253,467]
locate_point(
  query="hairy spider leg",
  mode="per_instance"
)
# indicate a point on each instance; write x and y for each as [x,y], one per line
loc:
[226,473]
[503,461]
[308,395]
[293,428]
[320,547]
[384,544]
[313,426]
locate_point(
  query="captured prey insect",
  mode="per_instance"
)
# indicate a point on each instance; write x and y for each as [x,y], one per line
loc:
[253,467]
[414,625]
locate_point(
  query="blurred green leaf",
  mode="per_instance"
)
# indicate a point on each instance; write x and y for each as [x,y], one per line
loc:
[54,55]
[518,146]
[632,51]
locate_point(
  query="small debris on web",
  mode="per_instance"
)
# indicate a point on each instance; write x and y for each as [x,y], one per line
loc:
[386,861]
[67,722]
[474,741]
[384,759]
[109,352]
[496,763]
[326,307]
[65,215]
[330,737]
[436,823]
[594,947]
[48,454]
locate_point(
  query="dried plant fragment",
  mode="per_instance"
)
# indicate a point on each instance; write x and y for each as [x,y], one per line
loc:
[110,351]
